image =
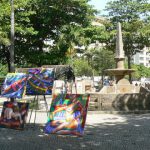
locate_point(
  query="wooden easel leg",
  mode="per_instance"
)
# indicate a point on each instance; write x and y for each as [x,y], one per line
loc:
[32,108]
[35,109]
[46,105]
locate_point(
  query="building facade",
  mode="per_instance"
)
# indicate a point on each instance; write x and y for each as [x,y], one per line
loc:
[142,57]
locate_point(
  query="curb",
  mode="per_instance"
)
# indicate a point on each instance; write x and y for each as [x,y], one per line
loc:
[120,112]
[99,112]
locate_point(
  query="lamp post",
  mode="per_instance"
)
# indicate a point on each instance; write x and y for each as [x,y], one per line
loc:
[11,50]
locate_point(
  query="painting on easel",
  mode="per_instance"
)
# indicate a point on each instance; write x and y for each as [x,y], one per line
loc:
[40,81]
[14,85]
[14,115]
[67,114]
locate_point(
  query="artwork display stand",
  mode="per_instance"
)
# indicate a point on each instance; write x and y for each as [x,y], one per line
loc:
[37,82]
[35,101]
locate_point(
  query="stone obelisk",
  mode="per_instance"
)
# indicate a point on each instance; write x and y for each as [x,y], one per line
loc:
[119,72]
[119,53]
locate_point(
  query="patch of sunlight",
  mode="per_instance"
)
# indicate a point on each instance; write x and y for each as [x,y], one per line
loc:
[110,124]
[82,145]
[105,118]
[9,138]
[41,135]
[137,125]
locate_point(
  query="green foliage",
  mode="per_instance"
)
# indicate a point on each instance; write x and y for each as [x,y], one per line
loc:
[133,15]
[100,59]
[141,71]
[65,23]
[3,70]
[23,27]
[95,33]
[104,59]
[82,68]
[57,21]
[5,10]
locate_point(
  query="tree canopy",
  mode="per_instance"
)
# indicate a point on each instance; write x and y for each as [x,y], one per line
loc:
[46,32]
[39,28]
[22,26]
[134,17]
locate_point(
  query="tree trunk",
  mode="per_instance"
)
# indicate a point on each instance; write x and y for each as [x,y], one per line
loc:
[11,50]
[102,73]
[7,54]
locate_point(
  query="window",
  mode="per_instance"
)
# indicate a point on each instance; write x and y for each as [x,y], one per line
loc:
[141,58]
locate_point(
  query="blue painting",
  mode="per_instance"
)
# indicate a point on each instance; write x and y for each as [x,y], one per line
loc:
[14,85]
[40,81]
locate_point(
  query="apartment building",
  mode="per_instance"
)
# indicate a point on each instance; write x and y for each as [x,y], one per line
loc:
[142,57]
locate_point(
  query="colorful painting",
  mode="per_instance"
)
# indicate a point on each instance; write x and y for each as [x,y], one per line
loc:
[14,115]
[67,114]
[40,81]
[14,85]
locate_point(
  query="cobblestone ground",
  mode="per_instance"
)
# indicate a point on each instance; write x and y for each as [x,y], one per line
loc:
[102,132]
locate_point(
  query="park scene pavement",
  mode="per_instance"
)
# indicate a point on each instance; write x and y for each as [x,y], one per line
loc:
[102,131]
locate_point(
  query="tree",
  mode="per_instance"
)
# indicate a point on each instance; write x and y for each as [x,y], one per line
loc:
[133,15]
[141,71]
[82,68]
[70,37]
[99,59]
[103,59]
[52,21]
[22,19]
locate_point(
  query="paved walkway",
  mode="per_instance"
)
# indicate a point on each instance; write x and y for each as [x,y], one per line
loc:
[102,132]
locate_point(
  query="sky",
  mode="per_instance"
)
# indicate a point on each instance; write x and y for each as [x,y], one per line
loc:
[99,4]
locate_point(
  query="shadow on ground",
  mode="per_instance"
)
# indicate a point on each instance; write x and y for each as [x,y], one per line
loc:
[132,133]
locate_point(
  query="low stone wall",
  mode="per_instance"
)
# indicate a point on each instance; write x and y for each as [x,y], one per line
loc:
[120,102]
[120,89]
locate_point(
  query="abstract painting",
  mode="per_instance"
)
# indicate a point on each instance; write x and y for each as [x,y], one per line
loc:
[67,114]
[14,85]
[40,81]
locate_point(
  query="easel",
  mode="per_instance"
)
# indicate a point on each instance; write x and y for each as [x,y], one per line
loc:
[35,101]
[36,97]
[58,69]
